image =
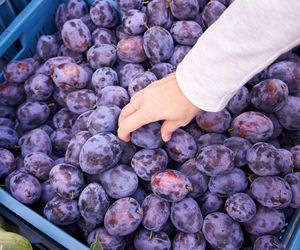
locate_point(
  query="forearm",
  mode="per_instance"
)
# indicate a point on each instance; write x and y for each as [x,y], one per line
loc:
[249,36]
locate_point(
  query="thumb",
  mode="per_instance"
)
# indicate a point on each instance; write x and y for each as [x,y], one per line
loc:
[168,128]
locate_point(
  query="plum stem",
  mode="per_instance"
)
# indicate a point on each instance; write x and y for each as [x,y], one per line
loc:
[146,26]
[150,236]
[189,187]
[139,212]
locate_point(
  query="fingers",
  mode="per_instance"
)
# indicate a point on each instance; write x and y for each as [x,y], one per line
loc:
[132,122]
[130,108]
[168,128]
[126,111]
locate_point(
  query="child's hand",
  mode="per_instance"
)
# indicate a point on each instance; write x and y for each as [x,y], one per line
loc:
[161,100]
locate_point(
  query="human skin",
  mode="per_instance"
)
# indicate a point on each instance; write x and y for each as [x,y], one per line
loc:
[161,100]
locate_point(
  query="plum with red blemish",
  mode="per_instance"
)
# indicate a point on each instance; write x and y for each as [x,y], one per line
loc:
[108,242]
[66,180]
[62,212]
[186,32]
[251,125]
[215,160]
[80,124]
[147,136]
[189,241]
[265,221]
[101,55]
[240,207]
[269,95]
[140,82]
[120,181]
[32,114]
[146,162]
[103,77]
[48,192]
[199,181]
[128,72]
[184,9]
[25,188]
[52,63]
[81,101]
[170,185]
[104,36]
[214,122]
[271,191]
[77,8]
[146,240]
[19,71]
[181,146]
[123,217]
[103,14]
[70,76]
[186,215]
[264,159]
[240,147]
[130,49]
[74,147]
[11,93]
[7,162]
[76,35]
[156,212]
[230,183]
[99,153]
[93,203]
[222,232]
[38,164]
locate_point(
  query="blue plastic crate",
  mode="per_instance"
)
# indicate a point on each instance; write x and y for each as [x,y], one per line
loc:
[40,222]
[18,41]
[9,9]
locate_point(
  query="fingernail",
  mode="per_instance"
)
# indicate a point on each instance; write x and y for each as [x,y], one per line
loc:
[166,138]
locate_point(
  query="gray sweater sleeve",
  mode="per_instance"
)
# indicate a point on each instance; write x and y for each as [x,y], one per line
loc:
[248,37]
